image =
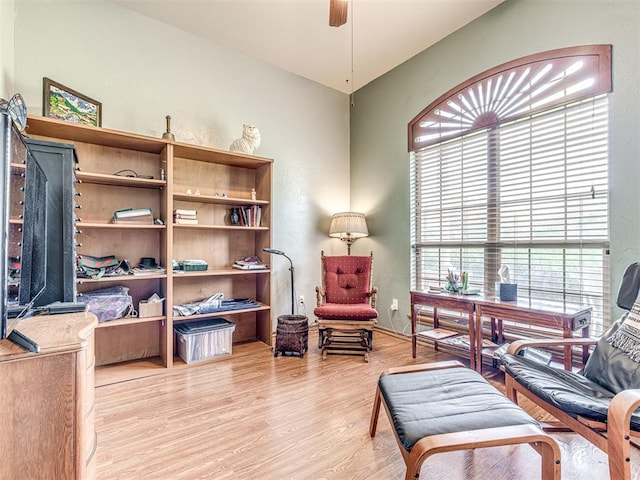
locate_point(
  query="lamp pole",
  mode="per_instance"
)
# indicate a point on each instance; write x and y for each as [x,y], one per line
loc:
[348,239]
[273,251]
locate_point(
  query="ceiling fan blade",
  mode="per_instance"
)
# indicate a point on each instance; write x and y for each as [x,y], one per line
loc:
[338,12]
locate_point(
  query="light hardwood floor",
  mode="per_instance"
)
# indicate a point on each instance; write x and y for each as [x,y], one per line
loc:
[257,417]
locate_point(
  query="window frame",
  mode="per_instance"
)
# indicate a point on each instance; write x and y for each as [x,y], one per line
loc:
[431,127]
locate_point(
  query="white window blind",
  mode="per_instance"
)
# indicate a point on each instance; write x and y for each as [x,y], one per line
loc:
[531,194]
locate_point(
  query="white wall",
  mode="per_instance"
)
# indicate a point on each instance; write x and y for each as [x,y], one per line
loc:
[6,49]
[142,70]
[379,158]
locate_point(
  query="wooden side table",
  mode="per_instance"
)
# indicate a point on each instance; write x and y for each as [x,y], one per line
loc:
[444,300]
[565,318]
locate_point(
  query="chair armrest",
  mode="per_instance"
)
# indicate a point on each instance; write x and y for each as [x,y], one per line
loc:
[373,295]
[319,296]
[623,405]
[621,408]
[518,345]
[423,367]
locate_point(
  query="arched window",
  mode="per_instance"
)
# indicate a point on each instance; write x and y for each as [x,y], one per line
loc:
[511,168]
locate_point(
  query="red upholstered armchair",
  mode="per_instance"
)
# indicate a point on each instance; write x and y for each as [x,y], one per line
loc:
[346,305]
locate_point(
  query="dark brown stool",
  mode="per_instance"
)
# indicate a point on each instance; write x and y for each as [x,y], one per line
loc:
[292,335]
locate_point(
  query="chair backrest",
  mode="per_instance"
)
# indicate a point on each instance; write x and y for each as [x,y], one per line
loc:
[629,287]
[608,366]
[347,278]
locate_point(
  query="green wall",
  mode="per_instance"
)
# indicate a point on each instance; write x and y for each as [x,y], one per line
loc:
[379,157]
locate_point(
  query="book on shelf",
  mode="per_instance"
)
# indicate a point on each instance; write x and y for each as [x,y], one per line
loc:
[251,216]
[185,221]
[183,216]
[463,341]
[185,212]
[437,333]
[137,220]
[249,263]
[146,271]
[132,212]
[249,267]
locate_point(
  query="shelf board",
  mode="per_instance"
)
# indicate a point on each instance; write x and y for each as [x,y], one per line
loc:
[225,313]
[437,333]
[462,342]
[119,180]
[121,278]
[186,197]
[220,227]
[237,350]
[135,226]
[217,272]
[213,155]
[75,132]
[18,168]
[121,372]
[129,321]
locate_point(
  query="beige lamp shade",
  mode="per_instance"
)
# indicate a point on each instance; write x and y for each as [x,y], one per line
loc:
[348,226]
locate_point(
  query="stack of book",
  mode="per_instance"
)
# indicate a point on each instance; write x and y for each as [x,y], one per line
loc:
[133,215]
[185,217]
[251,216]
[249,263]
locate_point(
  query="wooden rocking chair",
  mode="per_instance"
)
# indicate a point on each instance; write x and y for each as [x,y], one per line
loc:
[346,304]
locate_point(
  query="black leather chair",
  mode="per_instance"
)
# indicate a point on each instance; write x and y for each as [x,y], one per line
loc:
[599,402]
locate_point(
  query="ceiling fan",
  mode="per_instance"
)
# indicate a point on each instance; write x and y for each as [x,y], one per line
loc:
[338,12]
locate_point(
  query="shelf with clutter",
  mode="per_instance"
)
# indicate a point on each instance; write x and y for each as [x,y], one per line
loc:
[122,172]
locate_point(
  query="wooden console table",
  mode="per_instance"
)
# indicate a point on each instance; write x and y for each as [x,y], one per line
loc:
[47,399]
[566,319]
[448,301]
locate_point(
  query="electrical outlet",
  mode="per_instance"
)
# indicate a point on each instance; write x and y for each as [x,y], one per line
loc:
[301,300]
[394,304]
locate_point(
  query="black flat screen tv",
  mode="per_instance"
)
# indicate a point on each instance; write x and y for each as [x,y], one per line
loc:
[25,240]
[57,161]
[10,248]
[33,263]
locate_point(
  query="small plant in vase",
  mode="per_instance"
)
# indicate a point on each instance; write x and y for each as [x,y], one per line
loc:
[453,282]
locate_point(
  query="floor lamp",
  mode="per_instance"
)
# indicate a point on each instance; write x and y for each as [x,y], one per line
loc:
[273,251]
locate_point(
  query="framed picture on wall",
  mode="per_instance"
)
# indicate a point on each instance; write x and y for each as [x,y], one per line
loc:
[66,104]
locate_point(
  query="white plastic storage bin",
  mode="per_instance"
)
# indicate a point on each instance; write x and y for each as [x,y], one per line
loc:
[204,339]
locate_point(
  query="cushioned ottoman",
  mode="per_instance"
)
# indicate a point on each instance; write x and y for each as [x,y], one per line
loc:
[442,407]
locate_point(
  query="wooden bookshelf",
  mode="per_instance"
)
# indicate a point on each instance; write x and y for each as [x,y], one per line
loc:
[118,170]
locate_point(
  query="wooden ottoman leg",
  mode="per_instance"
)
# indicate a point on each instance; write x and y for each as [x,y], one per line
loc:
[550,454]
[491,437]
[377,400]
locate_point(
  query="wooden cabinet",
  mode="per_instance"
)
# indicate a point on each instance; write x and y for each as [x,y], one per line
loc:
[47,400]
[119,170]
